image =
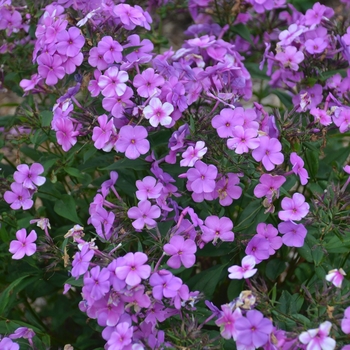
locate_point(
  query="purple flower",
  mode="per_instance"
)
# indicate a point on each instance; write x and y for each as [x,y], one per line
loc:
[144,214]
[246,271]
[295,208]
[24,245]
[298,168]
[290,58]
[202,177]
[50,67]
[112,82]
[148,188]
[132,268]
[259,248]
[81,261]
[253,329]
[293,234]
[318,338]
[96,282]
[22,332]
[147,83]
[8,344]
[216,228]
[132,141]
[269,232]
[192,154]
[269,152]
[140,54]
[336,277]
[65,133]
[158,113]
[102,133]
[19,197]
[227,321]
[345,322]
[269,186]
[70,42]
[165,284]
[181,251]
[110,50]
[29,177]
[121,337]
[227,190]
[243,140]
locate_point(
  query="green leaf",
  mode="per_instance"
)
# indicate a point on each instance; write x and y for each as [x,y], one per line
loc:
[290,304]
[15,287]
[73,172]
[65,207]
[312,162]
[255,72]
[76,283]
[207,280]
[125,163]
[46,118]
[274,268]
[285,99]
[243,32]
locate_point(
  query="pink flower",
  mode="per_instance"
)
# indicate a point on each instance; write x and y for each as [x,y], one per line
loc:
[291,57]
[253,329]
[147,83]
[29,177]
[269,152]
[293,234]
[102,133]
[132,268]
[158,113]
[19,197]
[216,228]
[132,141]
[70,42]
[336,277]
[227,321]
[269,232]
[345,322]
[182,252]
[50,67]
[269,186]
[246,271]
[295,208]
[202,177]
[121,337]
[65,133]
[144,214]
[243,140]
[316,339]
[192,154]
[165,284]
[110,50]
[112,82]
[298,168]
[148,188]
[24,245]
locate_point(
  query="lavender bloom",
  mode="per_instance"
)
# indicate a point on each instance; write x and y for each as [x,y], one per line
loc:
[23,245]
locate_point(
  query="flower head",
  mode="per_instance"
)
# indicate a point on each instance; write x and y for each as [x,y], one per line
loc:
[23,245]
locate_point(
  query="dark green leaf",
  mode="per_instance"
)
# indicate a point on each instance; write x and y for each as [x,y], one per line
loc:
[66,208]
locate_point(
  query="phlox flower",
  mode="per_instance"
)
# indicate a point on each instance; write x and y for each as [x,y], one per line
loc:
[132,268]
[110,50]
[336,277]
[132,140]
[112,82]
[227,321]
[22,332]
[65,133]
[269,232]
[158,112]
[314,16]
[147,83]
[258,247]
[317,45]
[253,329]
[81,261]
[202,177]
[317,339]
[290,58]
[148,188]
[298,168]
[29,177]
[215,228]
[269,152]
[227,189]
[181,251]
[96,282]
[293,234]
[24,245]
[102,133]
[243,140]
[50,67]
[121,337]
[269,186]
[69,42]
[345,322]
[7,344]
[295,208]
[165,284]
[321,116]
[142,54]
[144,214]
[246,271]
[18,197]
[192,154]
